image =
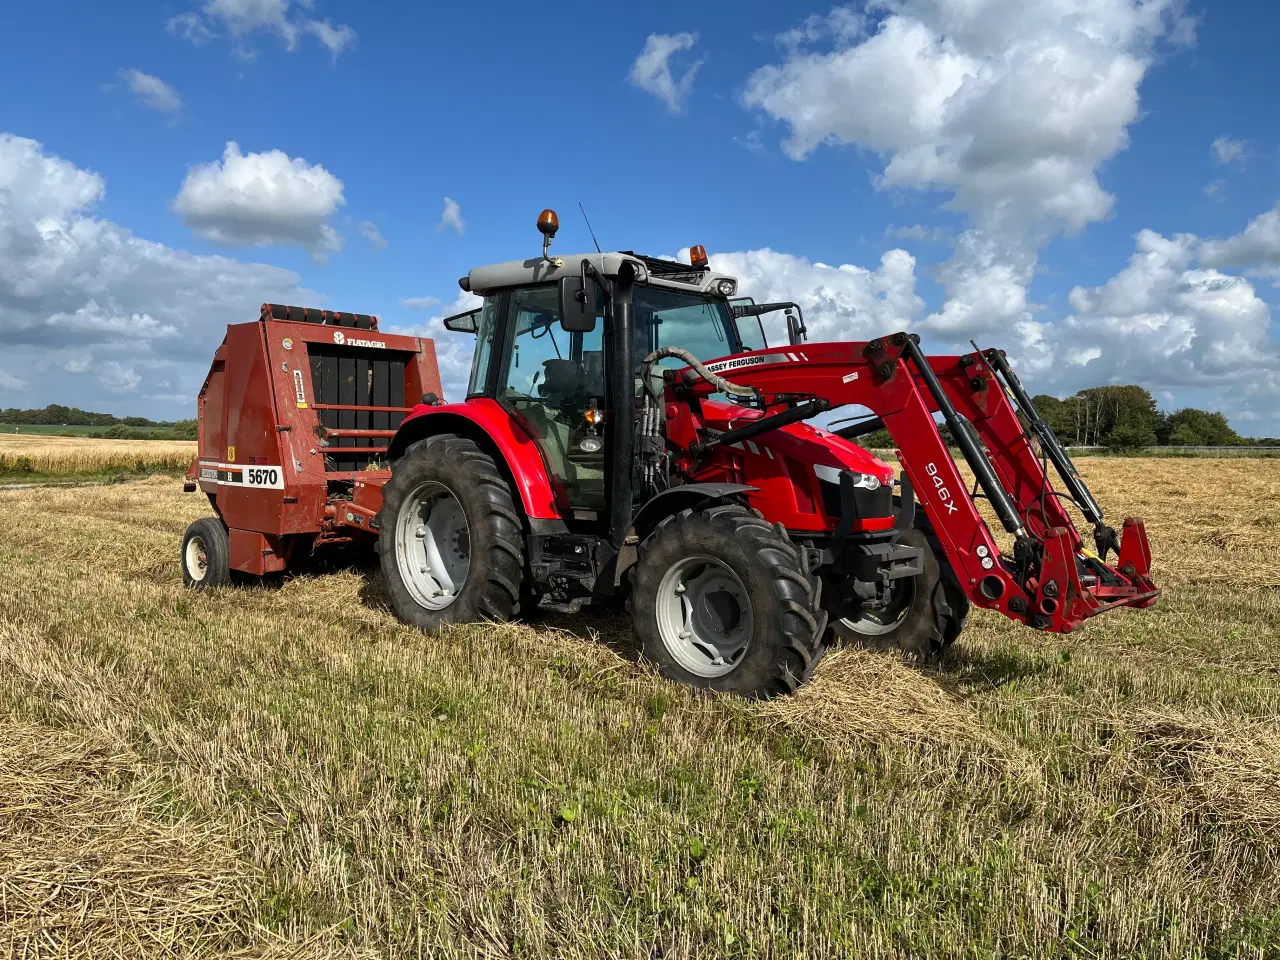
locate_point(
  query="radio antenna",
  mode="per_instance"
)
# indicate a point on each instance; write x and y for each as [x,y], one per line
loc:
[589,230]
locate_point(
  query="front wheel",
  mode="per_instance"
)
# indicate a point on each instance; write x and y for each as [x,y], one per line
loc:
[922,615]
[723,601]
[449,543]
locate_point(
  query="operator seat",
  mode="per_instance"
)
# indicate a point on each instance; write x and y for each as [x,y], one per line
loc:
[561,380]
[565,390]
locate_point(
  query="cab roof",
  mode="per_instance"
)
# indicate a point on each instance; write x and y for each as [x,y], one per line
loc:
[649,270]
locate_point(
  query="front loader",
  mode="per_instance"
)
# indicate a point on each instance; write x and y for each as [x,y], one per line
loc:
[629,435]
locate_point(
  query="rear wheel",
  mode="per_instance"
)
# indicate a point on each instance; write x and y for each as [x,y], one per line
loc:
[924,614]
[449,545]
[724,601]
[206,555]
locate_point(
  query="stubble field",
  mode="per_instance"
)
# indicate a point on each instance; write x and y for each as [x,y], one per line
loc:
[290,772]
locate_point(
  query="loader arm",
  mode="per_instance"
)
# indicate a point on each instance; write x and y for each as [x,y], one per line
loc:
[1051,581]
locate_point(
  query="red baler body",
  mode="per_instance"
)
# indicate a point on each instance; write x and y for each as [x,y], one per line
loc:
[294,422]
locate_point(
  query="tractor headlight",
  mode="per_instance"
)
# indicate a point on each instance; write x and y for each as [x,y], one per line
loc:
[866,481]
[726,287]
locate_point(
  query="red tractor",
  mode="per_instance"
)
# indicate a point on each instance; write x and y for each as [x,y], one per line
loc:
[628,432]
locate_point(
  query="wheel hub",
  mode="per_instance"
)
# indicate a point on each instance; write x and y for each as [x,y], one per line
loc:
[197,557]
[876,621]
[704,616]
[433,545]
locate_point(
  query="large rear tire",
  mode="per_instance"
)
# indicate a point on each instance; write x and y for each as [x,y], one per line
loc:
[723,601]
[925,613]
[449,544]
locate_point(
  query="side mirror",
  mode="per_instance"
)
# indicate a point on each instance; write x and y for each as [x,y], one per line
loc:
[577,305]
[462,322]
[797,332]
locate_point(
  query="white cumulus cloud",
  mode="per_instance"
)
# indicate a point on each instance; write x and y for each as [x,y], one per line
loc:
[152,91]
[453,350]
[1008,108]
[1258,246]
[652,73]
[1228,150]
[86,306]
[369,230]
[241,19]
[845,302]
[1167,321]
[257,199]
[451,218]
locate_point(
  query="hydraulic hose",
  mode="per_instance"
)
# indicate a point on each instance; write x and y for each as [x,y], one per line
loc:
[720,383]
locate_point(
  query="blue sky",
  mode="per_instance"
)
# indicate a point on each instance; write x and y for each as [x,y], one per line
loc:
[1089,183]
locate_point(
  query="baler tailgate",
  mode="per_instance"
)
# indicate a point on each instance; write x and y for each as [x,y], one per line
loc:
[360,399]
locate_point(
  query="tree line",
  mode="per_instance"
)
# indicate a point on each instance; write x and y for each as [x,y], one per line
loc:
[113,427]
[1121,418]
[1127,418]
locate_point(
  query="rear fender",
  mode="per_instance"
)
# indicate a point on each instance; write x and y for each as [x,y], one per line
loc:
[498,433]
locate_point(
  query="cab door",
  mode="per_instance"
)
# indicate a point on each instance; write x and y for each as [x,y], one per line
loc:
[553,383]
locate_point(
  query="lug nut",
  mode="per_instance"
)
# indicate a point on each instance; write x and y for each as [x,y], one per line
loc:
[885,370]
[1051,588]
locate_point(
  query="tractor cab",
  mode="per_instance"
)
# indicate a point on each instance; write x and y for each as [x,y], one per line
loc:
[548,338]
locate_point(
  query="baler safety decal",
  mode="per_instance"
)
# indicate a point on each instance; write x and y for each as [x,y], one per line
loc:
[234,475]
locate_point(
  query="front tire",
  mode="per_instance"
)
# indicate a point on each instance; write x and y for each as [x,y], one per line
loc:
[925,613]
[723,601]
[449,544]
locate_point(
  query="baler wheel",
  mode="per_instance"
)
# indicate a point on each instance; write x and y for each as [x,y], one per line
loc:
[724,601]
[206,555]
[925,613]
[450,544]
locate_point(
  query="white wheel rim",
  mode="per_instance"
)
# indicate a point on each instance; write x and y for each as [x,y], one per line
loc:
[874,624]
[196,557]
[704,616]
[433,545]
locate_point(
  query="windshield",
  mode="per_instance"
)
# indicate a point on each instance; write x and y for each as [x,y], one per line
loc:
[704,327]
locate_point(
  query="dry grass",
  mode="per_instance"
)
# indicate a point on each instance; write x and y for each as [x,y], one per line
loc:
[293,767]
[21,454]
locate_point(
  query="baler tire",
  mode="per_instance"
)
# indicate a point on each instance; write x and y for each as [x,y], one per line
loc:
[787,619]
[495,573]
[206,539]
[935,617]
